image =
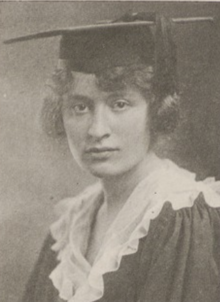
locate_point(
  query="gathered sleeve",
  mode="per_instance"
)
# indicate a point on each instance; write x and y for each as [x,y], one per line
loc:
[182,255]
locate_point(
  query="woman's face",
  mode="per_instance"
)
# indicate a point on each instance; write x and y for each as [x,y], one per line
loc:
[107,132]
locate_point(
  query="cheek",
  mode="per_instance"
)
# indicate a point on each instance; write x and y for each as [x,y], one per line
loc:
[135,131]
[75,141]
[75,133]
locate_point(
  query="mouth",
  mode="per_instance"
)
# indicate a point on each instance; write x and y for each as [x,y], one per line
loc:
[100,150]
[101,153]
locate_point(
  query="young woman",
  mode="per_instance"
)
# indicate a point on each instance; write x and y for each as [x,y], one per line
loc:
[146,231]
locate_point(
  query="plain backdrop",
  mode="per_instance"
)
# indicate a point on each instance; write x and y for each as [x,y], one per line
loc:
[35,171]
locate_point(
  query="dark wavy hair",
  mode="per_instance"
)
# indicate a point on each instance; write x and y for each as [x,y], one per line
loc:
[163,110]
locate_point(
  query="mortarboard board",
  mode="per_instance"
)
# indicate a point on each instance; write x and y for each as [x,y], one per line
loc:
[141,38]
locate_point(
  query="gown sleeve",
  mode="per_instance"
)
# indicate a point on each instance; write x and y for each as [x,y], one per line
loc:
[39,287]
[182,255]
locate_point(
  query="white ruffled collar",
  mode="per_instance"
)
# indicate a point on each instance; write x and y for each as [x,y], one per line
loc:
[74,277]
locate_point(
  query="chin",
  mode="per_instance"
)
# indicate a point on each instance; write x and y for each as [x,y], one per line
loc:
[102,172]
[106,170]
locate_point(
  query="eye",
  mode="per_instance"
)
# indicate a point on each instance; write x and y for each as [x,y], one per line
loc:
[80,108]
[120,105]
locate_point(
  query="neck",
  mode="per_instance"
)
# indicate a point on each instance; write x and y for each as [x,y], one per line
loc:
[117,189]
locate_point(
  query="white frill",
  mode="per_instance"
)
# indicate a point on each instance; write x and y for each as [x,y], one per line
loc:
[78,281]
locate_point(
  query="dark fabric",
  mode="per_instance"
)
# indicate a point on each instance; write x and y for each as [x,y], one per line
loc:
[98,50]
[178,261]
[39,287]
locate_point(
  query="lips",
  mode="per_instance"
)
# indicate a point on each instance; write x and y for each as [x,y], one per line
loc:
[100,150]
[101,153]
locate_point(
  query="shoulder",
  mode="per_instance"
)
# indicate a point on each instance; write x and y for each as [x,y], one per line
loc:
[188,224]
[180,187]
[188,212]
[200,215]
[39,287]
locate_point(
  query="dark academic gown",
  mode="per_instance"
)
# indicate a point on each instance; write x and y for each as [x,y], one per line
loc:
[178,261]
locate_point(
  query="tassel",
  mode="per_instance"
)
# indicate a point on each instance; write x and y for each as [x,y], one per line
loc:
[165,59]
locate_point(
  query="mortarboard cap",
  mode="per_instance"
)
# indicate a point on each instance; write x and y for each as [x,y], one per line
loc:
[141,38]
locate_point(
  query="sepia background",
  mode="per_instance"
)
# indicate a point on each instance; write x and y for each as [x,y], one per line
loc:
[35,171]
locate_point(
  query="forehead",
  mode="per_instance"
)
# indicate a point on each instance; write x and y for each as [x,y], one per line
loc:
[87,86]
[84,83]
[82,80]
[87,83]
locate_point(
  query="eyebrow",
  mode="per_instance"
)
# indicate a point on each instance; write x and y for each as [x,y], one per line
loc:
[119,93]
[84,98]
[80,97]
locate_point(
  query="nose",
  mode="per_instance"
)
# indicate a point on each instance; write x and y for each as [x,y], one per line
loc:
[99,126]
